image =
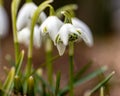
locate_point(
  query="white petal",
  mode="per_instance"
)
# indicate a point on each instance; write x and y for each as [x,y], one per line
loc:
[65,31]
[24,36]
[61,48]
[3,22]
[51,25]
[37,37]
[86,34]
[25,14]
[42,16]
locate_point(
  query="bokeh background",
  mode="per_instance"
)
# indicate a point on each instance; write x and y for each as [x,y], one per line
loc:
[103,18]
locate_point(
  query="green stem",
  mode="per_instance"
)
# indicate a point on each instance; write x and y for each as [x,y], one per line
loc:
[14,9]
[71,68]
[40,8]
[102,91]
[48,47]
[1,2]
[68,16]
[28,1]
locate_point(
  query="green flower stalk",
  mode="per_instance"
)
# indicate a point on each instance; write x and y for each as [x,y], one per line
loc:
[71,68]
[40,8]
[14,8]
[48,48]
[71,55]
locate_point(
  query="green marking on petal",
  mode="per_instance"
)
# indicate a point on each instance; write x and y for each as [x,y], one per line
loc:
[45,29]
[78,32]
[57,38]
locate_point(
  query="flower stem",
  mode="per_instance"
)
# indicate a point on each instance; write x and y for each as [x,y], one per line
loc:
[68,16]
[28,1]
[48,47]
[40,8]
[14,9]
[102,91]
[71,68]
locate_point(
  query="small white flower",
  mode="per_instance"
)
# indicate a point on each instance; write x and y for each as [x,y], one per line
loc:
[72,33]
[51,26]
[24,37]
[3,22]
[25,14]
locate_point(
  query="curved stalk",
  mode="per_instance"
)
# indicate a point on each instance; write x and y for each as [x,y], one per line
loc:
[14,8]
[40,8]
[68,16]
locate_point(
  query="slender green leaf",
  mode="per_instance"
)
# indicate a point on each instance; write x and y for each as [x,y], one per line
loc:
[84,79]
[18,88]
[7,87]
[102,83]
[49,87]
[19,62]
[82,71]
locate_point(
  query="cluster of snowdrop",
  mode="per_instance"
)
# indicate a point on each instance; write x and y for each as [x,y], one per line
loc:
[61,33]
[4,26]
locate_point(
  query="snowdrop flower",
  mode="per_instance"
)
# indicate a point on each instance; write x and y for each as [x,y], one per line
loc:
[3,22]
[25,14]
[51,26]
[24,36]
[72,33]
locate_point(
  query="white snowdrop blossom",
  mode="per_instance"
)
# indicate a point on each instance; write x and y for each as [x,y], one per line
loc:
[72,33]
[51,27]
[24,36]
[25,15]
[4,26]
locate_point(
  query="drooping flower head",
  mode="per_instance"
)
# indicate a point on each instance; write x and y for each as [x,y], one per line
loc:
[51,26]
[24,23]
[4,24]
[72,32]
[25,15]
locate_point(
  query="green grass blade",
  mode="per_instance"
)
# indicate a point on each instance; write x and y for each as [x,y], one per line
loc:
[102,83]
[82,71]
[7,87]
[18,88]
[19,62]
[84,79]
